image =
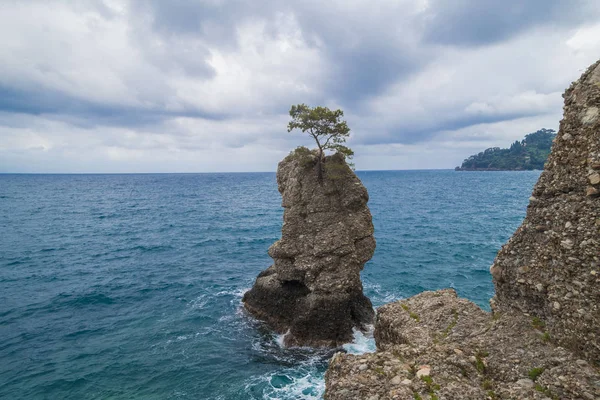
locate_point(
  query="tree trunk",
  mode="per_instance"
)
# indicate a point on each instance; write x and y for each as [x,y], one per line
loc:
[320,166]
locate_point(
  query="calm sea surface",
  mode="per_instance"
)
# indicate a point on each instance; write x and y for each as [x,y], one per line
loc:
[129,286]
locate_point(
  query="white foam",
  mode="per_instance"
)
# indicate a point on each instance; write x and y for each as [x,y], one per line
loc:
[304,387]
[305,380]
[199,302]
[280,339]
[382,296]
[297,384]
[234,292]
[362,343]
[237,294]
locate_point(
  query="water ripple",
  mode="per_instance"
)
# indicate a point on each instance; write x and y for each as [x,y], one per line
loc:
[129,286]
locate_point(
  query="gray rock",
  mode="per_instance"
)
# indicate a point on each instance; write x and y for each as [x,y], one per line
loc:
[592,191]
[567,205]
[397,380]
[313,291]
[526,383]
[424,370]
[497,353]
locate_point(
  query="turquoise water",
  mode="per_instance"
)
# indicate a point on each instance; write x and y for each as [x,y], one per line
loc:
[129,286]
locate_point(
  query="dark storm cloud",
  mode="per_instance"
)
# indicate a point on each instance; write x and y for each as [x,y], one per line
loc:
[478,22]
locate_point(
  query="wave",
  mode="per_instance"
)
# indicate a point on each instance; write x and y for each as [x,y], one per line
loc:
[235,292]
[300,383]
[83,300]
[24,260]
[149,248]
[199,302]
[363,342]
[380,296]
[303,378]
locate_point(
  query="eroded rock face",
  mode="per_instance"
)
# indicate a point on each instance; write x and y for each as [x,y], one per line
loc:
[550,267]
[541,342]
[313,291]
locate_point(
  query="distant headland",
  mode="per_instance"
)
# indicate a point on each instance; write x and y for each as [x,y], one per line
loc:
[528,154]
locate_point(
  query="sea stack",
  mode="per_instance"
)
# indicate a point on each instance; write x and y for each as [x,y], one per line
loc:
[313,292]
[550,268]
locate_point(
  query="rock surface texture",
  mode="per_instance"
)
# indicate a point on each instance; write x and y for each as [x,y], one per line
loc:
[541,342]
[550,268]
[438,346]
[313,291]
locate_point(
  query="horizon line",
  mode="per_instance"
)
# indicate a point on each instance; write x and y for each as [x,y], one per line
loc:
[232,172]
[206,172]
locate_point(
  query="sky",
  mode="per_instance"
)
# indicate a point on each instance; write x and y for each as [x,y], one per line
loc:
[206,85]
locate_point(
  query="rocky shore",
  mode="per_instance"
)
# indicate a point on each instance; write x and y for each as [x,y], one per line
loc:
[438,346]
[541,340]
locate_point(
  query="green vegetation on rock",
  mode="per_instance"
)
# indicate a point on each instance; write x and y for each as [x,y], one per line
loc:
[325,126]
[534,373]
[528,154]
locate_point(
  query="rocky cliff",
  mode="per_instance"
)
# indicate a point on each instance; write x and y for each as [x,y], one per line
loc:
[550,267]
[541,341]
[313,292]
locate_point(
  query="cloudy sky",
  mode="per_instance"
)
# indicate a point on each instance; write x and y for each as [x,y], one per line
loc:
[205,85]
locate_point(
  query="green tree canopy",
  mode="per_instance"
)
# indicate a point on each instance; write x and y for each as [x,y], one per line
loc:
[325,126]
[527,154]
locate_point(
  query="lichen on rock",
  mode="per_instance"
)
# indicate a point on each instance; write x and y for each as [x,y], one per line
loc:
[313,292]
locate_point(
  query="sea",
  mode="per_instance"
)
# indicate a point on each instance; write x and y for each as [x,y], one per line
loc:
[129,286]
